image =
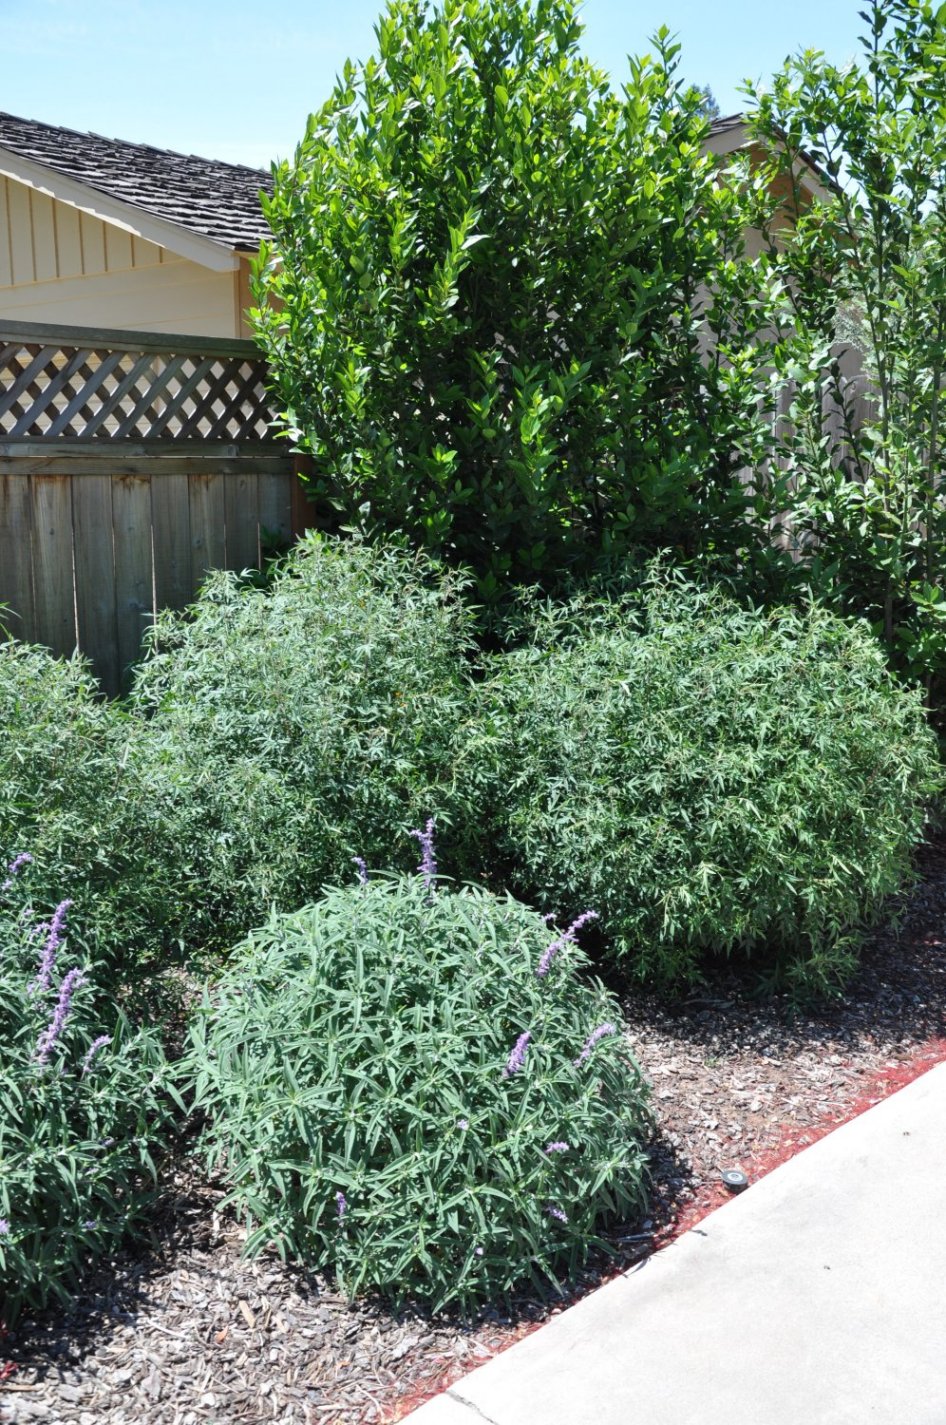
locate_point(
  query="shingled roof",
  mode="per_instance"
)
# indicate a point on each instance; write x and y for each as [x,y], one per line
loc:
[728,123]
[203,196]
[215,200]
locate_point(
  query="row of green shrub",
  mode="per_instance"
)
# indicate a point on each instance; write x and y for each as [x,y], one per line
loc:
[270,735]
[712,779]
[523,315]
[420,1089]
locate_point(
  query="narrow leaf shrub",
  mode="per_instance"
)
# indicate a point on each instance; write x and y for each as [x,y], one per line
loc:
[393,1092]
[70,791]
[295,726]
[83,1102]
[712,779]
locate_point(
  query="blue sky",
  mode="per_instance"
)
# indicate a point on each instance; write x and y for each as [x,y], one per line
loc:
[237,80]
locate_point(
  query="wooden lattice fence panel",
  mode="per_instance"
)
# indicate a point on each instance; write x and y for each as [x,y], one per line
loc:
[55,389]
[130,466]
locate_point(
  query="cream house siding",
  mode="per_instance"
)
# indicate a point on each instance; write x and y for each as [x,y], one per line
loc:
[176,296]
[61,265]
[42,240]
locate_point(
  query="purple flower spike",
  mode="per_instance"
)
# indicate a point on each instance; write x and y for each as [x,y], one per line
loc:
[593,1037]
[362,870]
[341,1203]
[518,1056]
[568,936]
[94,1048]
[50,1035]
[51,948]
[428,864]
[556,1212]
[15,866]
[463,1124]
[558,1147]
[4,1227]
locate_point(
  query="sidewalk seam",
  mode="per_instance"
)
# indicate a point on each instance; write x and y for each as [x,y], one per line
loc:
[461,1400]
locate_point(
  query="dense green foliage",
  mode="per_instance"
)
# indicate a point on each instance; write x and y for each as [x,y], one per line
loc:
[865,273]
[509,312]
[69,794]
[711,779]
[489,290]
[271,734]
[296,726]
[369,1046]
[79,1117]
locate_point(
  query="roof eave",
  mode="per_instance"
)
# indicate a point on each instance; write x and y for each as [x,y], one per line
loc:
[138,221]
[741,136]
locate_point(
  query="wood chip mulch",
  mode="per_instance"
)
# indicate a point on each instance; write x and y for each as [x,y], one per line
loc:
[186,1332]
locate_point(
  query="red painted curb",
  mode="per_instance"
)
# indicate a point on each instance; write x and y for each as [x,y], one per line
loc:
[790,1141]
[795,1139]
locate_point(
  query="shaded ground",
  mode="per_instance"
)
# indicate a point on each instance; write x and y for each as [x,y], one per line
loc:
[187,1332]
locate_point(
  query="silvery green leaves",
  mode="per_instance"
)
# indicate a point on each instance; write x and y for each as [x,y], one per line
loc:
[80,1111]
[272,734]
[70,799]
[295,732]
[397,1054]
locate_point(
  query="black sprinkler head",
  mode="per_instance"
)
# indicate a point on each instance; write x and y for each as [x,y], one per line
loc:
[734,1179]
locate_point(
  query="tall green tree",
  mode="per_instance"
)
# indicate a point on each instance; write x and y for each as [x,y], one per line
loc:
[865,273]
[490,292]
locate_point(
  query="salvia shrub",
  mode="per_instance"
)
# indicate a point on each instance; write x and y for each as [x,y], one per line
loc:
[270,733]
[84,1099]
[713,779]
[293,726]
[70,792]
[419,1089]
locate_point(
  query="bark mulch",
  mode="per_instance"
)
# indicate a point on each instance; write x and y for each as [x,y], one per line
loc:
[184,1330]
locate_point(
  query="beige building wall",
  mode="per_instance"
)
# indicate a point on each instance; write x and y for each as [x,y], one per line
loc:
[60,265]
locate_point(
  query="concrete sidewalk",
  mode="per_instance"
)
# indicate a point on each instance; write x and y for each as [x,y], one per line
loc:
[817,1297]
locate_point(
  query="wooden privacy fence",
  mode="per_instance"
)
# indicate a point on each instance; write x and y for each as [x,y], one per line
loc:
[130,465]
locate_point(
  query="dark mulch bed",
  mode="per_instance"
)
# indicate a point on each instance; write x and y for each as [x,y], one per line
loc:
[184,1330]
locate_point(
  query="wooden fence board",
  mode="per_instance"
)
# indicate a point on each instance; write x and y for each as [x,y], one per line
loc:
[94,558]
[171,533]
[275,508]
[16,556]
[208,539]
[241,513]
[54,596]
[134,588]
[35,457]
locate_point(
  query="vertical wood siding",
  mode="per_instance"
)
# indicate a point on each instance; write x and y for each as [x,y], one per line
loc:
[42,240]
[62,266]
